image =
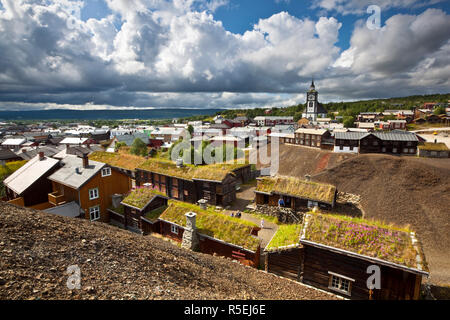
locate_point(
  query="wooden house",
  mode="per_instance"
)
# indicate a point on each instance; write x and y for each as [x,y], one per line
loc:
[316,138]
[216,233]
[433,150]
[215,183]
[395,142]
[361,259]
[141,209]
[7,155]
[90,184]
[28,186]
[294,193]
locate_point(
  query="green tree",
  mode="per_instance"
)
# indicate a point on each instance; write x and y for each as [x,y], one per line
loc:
[439,110]
[139,148]
[119,145]
[190,129]
[349,121]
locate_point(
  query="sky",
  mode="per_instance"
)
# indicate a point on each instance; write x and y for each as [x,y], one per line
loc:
[107,54]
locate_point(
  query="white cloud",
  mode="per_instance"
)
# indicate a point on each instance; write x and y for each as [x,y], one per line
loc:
[174,53]
[360,6]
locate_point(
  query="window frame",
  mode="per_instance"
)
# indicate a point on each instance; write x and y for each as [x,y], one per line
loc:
[108,169]
[341,278]
[93,212]
[174,229]
[97,194]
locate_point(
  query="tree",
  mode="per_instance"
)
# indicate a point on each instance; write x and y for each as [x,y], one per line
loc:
[190,129]
[139,148]
[119,145]
[349,121]
[439,110]
[297,116]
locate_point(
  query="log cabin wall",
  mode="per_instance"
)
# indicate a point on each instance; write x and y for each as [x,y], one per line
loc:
[396,284]
[285,263]
[222,249]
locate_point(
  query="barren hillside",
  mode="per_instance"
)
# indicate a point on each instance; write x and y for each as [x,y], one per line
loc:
[400,190]
[36,248]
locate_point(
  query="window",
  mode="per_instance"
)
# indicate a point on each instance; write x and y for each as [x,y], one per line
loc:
[173,229]
[94,213]
[106,172]
[93,194]
[340,283]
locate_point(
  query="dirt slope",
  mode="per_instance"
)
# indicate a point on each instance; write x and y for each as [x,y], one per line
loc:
[401,190]
[36,249]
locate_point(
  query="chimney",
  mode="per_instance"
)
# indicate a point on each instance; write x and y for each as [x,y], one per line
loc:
[202,203]
[41,156]
[85,161]
[190,236]
[307,177]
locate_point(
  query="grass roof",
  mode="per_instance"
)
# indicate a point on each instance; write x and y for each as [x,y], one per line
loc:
[213,172]
[297,188]
[286,235]
[120,160]
[214,224]
[369,238]
[430,146]
[155,214]
[139,197]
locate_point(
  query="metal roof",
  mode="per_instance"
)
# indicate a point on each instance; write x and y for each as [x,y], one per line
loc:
[396,136]
[29,173]
[69,176]
[349,135]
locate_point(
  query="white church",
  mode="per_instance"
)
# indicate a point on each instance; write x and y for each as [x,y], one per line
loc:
[313,109]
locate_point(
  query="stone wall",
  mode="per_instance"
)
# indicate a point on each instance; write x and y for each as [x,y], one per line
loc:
[284,215]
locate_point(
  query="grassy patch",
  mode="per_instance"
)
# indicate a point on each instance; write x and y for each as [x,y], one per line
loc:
[213,172]
[217,225]
[155,214]
[297,188]
[263,216]
[139,197]
[122,160]
[287,234]
[370,238]
[119,209]
[430,146]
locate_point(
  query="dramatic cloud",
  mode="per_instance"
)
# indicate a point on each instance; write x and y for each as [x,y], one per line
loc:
[160,53]
[360,6]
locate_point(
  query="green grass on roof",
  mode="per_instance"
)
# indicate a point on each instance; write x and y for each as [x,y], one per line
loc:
[297,188]
[369,238]
[139,197]
[430,146]
[119,160]
[214,224]
[155,214]
[213,172]
[287,234]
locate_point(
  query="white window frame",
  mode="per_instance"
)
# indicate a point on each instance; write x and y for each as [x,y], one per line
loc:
[174,229]
[340,280]
[106,172]
[96,211]
[94,196]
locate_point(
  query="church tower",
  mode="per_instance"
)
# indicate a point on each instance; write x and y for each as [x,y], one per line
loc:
[313,109]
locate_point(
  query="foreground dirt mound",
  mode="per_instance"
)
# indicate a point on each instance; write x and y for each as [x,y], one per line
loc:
[405,191]
[36,249]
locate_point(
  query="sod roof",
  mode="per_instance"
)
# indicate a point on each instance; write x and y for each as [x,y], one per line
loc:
[140,197]
[430,146]
[213,172]
[213,224]
[286,235]
[119,160]
[297,188]
[369,238]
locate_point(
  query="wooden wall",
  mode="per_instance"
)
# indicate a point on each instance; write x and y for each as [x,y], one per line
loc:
[285,263]
[396,284]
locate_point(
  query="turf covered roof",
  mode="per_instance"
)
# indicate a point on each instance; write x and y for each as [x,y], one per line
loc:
[296,187]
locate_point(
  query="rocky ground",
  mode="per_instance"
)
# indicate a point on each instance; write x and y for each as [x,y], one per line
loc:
[36,250]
